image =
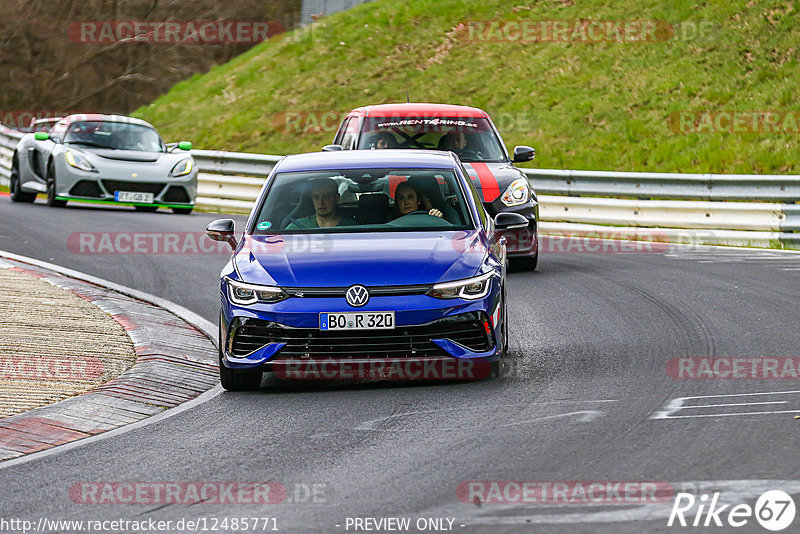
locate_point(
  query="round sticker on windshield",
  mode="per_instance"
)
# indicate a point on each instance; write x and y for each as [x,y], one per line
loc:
[264,225]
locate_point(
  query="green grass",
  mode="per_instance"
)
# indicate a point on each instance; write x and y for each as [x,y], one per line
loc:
[582,105]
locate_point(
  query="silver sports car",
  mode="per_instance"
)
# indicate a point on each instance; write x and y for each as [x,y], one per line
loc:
[104,158]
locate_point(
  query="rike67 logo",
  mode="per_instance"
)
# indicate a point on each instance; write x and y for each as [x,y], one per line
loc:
[774,510]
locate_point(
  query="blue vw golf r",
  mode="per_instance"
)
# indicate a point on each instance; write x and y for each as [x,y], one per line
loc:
[357,257]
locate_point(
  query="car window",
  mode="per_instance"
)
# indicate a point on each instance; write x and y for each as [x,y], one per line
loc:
[363,200]
[350,132]
[58,131]
[477,198]
[115,135]
[471,138]
[342,129]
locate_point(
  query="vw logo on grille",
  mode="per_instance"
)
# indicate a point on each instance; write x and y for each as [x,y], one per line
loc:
[357,296]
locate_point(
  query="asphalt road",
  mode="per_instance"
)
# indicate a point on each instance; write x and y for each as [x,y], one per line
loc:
[587,397]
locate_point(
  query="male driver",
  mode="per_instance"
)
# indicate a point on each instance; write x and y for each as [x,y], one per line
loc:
[325,196]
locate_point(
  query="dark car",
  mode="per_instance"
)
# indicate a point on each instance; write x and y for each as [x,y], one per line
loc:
[470,134]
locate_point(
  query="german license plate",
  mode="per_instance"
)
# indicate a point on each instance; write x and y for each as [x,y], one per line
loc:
[131,196]
[357,321]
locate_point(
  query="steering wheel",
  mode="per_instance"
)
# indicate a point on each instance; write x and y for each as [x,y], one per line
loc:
[468,154]
[413,218]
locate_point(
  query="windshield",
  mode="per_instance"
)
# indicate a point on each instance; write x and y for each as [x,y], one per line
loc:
[472,139]
[114,135]
[363,200]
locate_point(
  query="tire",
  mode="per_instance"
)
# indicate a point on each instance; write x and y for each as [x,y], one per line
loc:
[239,380]
[236,380]
[182,211]
[529,263]
[52,201]
[17,195]
[146,209]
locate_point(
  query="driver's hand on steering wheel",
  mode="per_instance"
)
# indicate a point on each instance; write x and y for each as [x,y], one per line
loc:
[435,213]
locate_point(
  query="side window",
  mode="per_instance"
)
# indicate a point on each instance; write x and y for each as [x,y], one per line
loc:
[477,198]
[58,131]
[342,130]
[350,134]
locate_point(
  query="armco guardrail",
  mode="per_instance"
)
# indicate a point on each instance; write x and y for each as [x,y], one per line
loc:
[230,181]
[8,140]
[684,207]
[673,186]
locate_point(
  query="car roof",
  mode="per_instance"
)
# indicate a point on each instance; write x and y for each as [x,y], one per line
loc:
[100,117]
[417,109]
[368,159]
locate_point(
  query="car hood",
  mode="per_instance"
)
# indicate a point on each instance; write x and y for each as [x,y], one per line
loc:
[492,179]
[124,155]
[377,259]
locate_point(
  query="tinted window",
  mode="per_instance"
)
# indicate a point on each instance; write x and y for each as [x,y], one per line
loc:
[477,198]
[114,135]
[363,200]
[349,134]
[340,133]
[473,139]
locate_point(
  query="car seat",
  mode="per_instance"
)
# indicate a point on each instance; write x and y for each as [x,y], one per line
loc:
[304,208]
[373,208]
[430,188]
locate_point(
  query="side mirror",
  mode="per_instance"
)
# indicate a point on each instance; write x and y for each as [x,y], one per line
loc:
[509,221]
[523,153]
[222,230]
[185,145]
[41,136]
[332,148]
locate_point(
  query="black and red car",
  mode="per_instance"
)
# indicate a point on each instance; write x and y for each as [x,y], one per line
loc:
[470,134]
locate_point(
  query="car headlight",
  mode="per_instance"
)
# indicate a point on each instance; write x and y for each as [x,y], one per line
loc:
[183,167]
[246,294]
[469,289]
[516,193]
[79,161]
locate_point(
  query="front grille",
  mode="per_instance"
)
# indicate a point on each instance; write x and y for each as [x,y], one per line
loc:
[85,188]
[334,292]
[135,187]
[176,194]
[402,342]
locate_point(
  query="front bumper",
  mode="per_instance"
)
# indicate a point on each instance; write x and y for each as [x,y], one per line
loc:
[168,191]
[262,339]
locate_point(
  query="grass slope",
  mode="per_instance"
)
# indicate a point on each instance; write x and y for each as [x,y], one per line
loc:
[582,105]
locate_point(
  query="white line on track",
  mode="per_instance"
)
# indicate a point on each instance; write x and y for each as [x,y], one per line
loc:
[732,404]
[678,404]
[584,416]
